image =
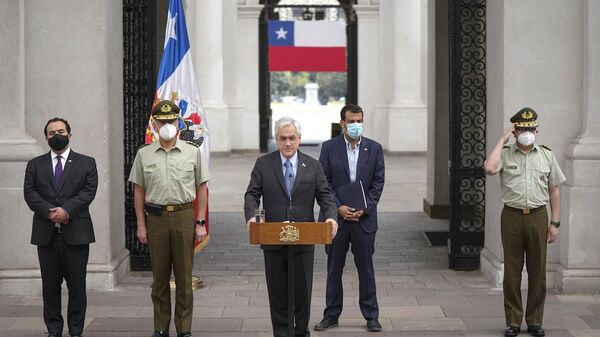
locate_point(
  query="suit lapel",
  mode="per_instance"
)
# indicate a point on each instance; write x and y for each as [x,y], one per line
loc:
[301,169]
[363,155]
[69,163]
[278,170]
[343,155]
[47,167]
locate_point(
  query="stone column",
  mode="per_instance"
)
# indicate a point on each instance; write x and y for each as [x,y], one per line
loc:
[61,59]
[408,106]
[244,116]
[437,200]
[580,251]
[205,27]
[368,72]
[535,58]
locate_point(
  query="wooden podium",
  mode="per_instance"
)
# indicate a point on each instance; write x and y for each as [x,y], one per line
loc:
[290,234]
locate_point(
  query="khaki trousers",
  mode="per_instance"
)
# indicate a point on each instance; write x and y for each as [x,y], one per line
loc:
[524,237]
[171,241]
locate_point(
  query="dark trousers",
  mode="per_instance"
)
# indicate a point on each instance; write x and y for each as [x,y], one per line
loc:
[276,263]
[171,242]
[363,247]
[60,261]
[524,237]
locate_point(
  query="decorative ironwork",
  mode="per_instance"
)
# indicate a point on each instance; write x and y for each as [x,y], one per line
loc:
[139,78]
[467,34]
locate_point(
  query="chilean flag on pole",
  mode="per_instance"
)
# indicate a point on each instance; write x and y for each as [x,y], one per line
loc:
[307,46]
[177,83]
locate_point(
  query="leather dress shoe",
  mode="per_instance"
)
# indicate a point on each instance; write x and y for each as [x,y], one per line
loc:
[160,334]
[512,331]
[536,331]
[373,325]
[185,334]
[54,335]
[326,323]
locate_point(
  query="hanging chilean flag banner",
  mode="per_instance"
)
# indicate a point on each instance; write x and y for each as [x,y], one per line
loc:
[177,83]
[307,46]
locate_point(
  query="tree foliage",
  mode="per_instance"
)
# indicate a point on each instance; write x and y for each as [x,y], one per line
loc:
[332,85]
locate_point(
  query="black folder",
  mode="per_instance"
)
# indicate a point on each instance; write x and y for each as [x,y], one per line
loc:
[352,195]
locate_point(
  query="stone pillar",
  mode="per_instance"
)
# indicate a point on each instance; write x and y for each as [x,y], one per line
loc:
[580,251]
[45,74]
[408,106]
[368,72]
[437,200]
[548,77]
[205,27]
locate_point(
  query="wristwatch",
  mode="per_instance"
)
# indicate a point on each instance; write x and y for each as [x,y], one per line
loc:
[201,222]
[555,223]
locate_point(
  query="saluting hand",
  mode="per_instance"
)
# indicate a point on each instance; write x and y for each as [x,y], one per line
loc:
[506,137]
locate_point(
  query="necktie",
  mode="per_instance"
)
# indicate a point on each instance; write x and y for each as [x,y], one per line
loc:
[289,177]
[58,169]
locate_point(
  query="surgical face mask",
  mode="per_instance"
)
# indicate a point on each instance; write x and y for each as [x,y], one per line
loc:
[58,142]
[167,132]
[354,130]
[526,138]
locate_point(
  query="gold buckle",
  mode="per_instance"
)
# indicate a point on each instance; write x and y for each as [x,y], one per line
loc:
[170,208]
[526,210]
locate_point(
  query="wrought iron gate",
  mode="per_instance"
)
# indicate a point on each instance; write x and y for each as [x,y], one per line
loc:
[139,85]
[467,34]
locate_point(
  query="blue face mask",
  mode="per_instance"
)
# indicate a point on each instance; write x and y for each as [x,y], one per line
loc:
[354,130]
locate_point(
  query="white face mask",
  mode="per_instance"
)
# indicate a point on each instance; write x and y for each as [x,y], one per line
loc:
[167,132]
[526,138]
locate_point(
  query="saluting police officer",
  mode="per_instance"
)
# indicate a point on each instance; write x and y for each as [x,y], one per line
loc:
[529,179]
[167,175]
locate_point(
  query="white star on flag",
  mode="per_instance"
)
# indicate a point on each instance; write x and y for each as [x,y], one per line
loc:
[171,29]
[281,34]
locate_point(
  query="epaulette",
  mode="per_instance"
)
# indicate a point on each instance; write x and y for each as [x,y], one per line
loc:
[141,146]
[546,147]
[192,143]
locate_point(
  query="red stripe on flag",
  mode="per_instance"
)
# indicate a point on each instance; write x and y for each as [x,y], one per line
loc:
[307,58]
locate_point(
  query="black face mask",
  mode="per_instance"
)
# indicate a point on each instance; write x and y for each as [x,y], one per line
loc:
[58,142]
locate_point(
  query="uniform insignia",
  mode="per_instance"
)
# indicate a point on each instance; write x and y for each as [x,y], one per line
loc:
[546,147]
[165,108]
[543,178]
[192,143]
[303,165]
[512,167]
[527,115]
[506,147]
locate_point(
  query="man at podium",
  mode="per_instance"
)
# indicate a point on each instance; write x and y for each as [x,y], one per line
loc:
[289,182]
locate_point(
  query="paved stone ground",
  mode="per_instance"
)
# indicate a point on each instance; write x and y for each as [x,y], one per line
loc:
[418,295]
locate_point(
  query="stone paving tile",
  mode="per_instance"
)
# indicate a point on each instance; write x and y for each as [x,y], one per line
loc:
[485,323]
[7,322]
[593,321]
[419,324]
[20,310]
[112,311]
[585,332]
[245,312]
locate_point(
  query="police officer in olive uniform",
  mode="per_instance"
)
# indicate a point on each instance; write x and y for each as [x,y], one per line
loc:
[529,179]
[167,175]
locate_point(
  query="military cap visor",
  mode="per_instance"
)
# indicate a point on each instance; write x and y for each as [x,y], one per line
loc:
[165,110]
[525,118]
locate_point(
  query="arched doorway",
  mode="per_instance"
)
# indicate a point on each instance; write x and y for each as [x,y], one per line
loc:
[304,10]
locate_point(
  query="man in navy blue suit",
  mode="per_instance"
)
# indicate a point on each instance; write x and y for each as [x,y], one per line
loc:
[353,159]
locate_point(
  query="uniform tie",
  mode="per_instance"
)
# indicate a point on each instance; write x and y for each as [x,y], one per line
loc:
[58,169]
[289,177]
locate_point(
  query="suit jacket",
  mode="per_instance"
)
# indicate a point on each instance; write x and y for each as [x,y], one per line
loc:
[310,184]
[370,169]
[76,192]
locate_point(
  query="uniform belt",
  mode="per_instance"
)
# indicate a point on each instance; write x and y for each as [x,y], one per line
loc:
[525,210]
[175,208]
